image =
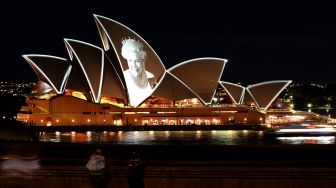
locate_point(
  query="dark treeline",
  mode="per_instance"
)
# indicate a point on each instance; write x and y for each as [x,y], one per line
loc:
[10,105]
[311,96]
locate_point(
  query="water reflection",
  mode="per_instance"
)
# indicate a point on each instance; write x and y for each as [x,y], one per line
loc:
[215,137]
[308,140]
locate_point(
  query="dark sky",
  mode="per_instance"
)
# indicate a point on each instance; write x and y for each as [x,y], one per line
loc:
[263,40]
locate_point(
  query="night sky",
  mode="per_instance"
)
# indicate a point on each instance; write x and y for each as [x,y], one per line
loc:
[289,40]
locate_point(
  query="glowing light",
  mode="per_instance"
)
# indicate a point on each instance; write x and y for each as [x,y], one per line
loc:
[169,112]
[325,130]
[79,95]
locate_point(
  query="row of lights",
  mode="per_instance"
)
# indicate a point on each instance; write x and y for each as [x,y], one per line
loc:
[189,120]
[57,120]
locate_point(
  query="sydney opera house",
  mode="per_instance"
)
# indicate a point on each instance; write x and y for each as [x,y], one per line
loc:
[124,82]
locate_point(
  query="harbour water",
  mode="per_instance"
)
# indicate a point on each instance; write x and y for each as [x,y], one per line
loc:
[215,137]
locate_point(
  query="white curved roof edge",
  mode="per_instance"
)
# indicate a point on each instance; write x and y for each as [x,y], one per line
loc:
[96,16]
[103,34]
[246,89]
[27,58]
[196,59]
[237,85]
[269,82]
[65,79]
[98,97]
[187,87]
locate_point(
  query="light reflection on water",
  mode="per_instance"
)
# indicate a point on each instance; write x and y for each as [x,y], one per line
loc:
[308,140]
[215,137]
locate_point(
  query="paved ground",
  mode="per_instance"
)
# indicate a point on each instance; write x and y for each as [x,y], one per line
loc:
[63,165]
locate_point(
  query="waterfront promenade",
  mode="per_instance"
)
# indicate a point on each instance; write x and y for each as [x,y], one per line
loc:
[193,127]
[63,165]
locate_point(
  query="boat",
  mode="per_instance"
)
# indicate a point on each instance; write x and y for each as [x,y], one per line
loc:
[301,129]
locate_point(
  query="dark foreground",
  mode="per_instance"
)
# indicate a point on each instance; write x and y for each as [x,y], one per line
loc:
[63,165]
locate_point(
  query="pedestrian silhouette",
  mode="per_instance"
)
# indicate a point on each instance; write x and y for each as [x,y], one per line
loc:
[136,171]
[98,171]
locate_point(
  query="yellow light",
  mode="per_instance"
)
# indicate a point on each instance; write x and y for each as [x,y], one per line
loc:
[79,95]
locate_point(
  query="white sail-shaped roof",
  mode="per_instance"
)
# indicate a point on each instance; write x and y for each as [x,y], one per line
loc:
[171,88]
[97,72]
[112,34]
[264,93]
[235,91]
[54,70]
[89,60]
[112,83]
[247,98]
[200,75]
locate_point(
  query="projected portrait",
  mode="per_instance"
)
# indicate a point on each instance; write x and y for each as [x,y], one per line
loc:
[140,82]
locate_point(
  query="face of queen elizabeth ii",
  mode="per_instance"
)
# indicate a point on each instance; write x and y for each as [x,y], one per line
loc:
[136,64]
[133,52]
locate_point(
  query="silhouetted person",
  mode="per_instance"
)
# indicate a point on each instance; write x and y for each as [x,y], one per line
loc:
[136,172]
[98,170]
